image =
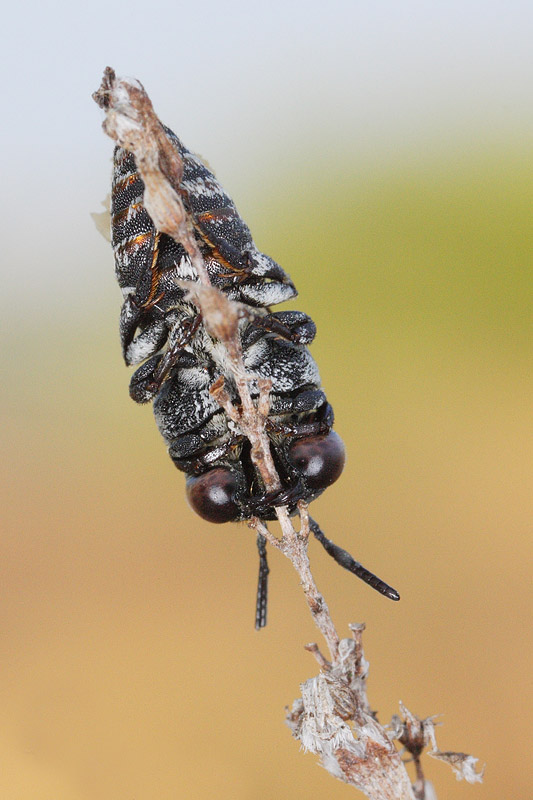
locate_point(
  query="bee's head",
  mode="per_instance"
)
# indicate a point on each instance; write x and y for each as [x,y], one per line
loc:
[229,492]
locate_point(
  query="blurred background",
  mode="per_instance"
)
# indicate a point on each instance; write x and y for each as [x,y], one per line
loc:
[381,152]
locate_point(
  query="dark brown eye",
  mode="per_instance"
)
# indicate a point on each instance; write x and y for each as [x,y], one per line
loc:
[320,459]
[212,495]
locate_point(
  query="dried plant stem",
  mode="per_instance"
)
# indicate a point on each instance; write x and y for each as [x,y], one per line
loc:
[293,544]
[333,717]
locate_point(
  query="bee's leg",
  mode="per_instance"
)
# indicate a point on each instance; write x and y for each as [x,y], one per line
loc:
[345,560]
[305,401]
[192,453]
[262,585]
[298,429]
[140,336]
[262,505]
[142,381]
[147,380]
[180,336]
[294,326]
[259,280]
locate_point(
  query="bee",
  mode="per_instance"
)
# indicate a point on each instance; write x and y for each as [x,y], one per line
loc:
[162,333]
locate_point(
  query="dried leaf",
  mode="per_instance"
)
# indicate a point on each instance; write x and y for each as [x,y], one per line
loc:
[102,219]
[462,764]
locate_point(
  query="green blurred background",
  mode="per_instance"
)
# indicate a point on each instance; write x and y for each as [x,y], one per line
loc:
[383,156]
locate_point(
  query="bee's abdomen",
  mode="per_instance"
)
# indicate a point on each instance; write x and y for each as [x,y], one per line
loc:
[132,230]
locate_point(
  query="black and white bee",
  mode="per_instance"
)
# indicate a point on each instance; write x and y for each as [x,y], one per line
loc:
[179,360]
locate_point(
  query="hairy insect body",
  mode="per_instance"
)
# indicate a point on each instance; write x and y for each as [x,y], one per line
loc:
[179,361]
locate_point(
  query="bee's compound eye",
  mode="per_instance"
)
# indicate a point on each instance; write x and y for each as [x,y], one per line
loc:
[320,459]
[212,495]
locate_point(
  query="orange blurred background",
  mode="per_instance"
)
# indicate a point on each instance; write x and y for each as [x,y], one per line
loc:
[130,668]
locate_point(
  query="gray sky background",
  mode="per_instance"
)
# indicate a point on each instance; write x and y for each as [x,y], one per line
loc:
[254,87]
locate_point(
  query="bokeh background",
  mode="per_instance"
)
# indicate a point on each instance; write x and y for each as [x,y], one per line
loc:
[381,152]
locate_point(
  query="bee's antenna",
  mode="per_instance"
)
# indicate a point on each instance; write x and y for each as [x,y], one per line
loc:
[262,585]
[343,558]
